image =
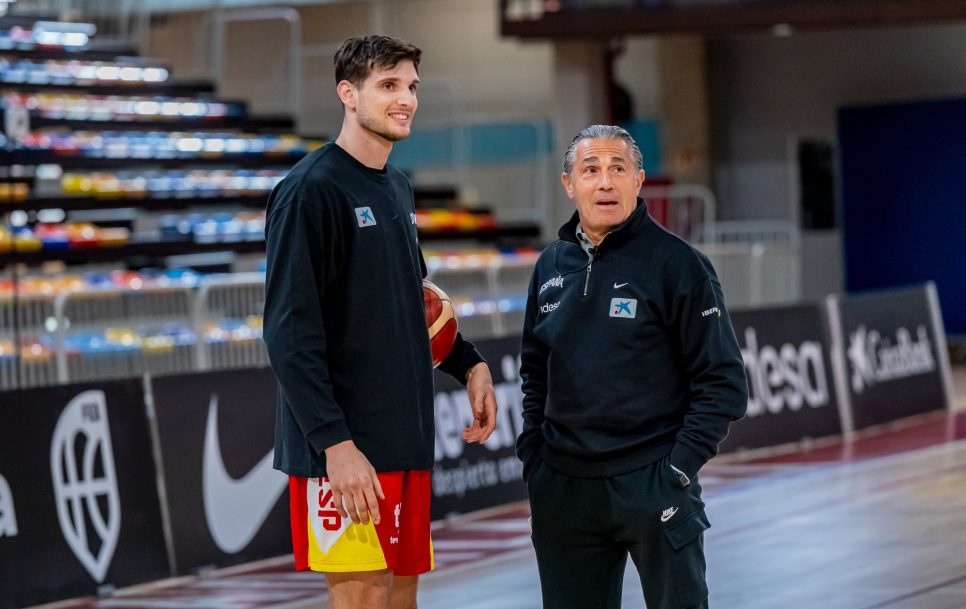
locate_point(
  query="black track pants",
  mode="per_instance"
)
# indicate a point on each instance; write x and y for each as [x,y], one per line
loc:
[584,529]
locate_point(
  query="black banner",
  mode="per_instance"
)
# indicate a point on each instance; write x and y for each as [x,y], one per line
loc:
[78,495]
[791,389]
[893,365]
[470,477]
[227,504]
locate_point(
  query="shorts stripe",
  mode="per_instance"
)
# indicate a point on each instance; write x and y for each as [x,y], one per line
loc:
[298,514]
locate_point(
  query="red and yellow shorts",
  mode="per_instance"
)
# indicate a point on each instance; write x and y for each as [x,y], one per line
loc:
[324,541]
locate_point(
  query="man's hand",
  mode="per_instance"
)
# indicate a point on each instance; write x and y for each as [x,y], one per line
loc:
[355,486]
[479,388]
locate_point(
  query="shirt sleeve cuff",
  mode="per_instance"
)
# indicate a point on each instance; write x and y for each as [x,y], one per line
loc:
[463,357]
[686,459]
[328,435]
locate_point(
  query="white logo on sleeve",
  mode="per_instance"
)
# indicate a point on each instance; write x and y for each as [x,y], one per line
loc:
[365,217]
[85,482]
[623,307]
[711,311]
[549,307]
[235,509]
[554,282]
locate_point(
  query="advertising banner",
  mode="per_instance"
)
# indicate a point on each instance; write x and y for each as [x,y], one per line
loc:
[227,504]
[894,353]
[791,390]
[79,507]
[470,477]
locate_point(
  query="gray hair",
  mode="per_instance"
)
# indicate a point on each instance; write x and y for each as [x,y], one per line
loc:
[602,132]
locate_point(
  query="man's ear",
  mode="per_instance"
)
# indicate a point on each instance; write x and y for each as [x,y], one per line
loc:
[568,186]
[347,93]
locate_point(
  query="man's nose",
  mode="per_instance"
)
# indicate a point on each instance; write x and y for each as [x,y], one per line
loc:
[407,98]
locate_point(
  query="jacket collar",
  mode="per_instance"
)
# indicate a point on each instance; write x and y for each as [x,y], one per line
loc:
[619,234]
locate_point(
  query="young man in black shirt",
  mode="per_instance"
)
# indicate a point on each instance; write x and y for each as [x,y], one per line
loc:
[346,335]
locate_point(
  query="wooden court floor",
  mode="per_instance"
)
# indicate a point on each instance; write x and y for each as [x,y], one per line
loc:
[880,523]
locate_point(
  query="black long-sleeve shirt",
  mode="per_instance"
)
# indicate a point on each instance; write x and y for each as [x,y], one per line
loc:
[628,355]
[344,321]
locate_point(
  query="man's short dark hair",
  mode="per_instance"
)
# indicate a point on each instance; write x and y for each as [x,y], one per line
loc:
[357,57]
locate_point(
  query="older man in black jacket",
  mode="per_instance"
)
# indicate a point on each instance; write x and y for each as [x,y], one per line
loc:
[631,377]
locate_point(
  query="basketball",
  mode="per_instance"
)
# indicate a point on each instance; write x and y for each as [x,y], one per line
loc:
[440,321]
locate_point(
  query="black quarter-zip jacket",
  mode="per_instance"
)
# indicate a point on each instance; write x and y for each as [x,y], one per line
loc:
[344,319]
[627,356]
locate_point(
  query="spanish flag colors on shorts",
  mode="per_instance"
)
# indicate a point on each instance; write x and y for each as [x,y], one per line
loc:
[325,541]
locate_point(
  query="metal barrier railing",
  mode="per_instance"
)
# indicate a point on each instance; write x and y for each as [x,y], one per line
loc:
[228,321]
[687,210]
[758,262]
[26,321]
[86,335]
[122,332]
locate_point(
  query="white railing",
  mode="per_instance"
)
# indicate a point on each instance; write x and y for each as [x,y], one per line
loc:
[687,210]
[25,321]
[96,334]
[757,261]
[238,299]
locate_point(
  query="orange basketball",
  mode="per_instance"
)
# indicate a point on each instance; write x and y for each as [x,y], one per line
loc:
[440,321]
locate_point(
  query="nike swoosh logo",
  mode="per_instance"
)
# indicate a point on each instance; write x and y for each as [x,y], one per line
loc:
[668,514]
[619,285]
[236,509]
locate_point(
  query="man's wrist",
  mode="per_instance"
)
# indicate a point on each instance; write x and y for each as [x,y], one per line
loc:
[473,369]
[686,459]
[338,446]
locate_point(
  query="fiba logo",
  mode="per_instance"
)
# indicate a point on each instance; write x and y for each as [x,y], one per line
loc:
[85,483]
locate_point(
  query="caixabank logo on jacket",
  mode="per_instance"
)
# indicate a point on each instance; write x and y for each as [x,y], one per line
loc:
[875,358]
[85,482]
